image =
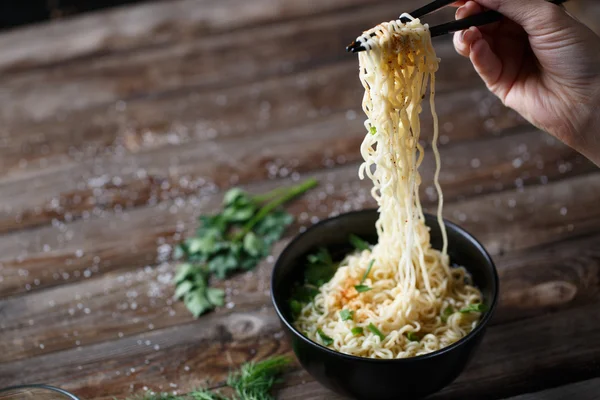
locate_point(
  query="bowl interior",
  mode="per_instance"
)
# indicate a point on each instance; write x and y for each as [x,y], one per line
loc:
[463,249]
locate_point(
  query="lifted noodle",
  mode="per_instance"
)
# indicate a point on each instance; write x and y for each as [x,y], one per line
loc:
[411,283]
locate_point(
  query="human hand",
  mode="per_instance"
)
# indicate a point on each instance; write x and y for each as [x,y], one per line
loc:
[542,63]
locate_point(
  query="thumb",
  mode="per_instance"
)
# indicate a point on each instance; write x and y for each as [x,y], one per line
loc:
[537,17]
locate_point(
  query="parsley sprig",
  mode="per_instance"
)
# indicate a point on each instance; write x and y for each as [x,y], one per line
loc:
[236,239]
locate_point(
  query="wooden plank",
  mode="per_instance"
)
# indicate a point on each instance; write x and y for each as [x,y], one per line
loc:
[554,277]
[194,115]
[206,63]
[147,24]
[196,160]
[554,346]
[33,100]
[129,238]
[550,278]
[587,390]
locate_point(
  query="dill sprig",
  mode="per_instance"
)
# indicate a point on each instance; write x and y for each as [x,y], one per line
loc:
[253,381]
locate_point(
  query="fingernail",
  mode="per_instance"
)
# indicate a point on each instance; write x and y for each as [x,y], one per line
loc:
[467,35]
[460,12]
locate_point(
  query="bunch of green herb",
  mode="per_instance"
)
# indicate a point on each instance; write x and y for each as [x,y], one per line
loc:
[254,381]
[236,239]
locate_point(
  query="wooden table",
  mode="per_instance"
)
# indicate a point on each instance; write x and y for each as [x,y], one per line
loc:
[119,128]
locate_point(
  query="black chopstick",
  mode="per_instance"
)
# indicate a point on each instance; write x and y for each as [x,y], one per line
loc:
[484,18]
[435,5]
[428,9]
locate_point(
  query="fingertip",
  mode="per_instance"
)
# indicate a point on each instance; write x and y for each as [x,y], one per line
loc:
[486,62]
[461,47]
[471,35]
[467,9]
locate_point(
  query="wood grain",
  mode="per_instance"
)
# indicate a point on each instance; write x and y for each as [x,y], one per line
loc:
[555,277]
[113,236]
[587,390]
[117,129]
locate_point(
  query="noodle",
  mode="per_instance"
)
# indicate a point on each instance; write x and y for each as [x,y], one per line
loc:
[414,295]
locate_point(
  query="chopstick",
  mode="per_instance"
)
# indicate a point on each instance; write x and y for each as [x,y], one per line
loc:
[484,18]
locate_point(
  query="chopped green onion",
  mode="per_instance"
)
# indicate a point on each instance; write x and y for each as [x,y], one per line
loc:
[357,331]
[479,307]
[358,243]
[373,130]
[346,315]
[412,337]
[376,331]
[327,341]
[367,272]
[447,313]
[362,288]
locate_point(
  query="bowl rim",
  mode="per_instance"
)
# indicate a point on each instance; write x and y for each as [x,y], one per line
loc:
[479,328]
[40,386]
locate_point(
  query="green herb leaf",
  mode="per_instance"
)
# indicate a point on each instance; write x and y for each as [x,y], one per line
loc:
[239,214]
[376,331]
[357,331]
[479,307]
[271,227]
[322,256]
[183,271]
[327,341]
[215,296]
[358,243]
[253,245]
[197,303]
[204,244]
[367,272]
[222,265]
[183,288]
[320,268]
[295,308]
[233,195]
[448,311]
[301,294]
[346,315]
[373,130]
[412,337]
[212,225]
[362,288]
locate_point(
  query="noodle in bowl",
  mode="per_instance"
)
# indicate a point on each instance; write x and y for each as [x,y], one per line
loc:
[411,285]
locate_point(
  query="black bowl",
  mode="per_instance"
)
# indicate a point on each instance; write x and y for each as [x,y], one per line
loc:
[374,379]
